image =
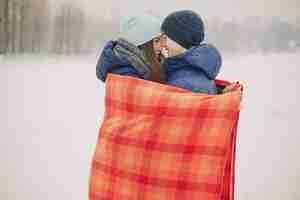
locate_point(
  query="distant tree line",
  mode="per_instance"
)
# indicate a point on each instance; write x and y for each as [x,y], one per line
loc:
[31,26]
[68,30]
[22,28]
[254,34]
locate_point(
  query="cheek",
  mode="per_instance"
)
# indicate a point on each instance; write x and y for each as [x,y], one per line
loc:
[164,44]
[157,47]
[170,43]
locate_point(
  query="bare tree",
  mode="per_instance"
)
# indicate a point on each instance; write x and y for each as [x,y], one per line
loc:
[4,20]
[13,24]
[69,30]
[22,26]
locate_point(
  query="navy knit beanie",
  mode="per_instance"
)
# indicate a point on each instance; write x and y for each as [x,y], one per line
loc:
[184,27]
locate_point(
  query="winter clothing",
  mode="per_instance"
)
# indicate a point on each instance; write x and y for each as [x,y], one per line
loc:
[195,69]
[140,29]
[135,56]
[123,58]
[184,27]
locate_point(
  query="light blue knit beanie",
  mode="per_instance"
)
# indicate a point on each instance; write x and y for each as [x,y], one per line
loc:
[140,29]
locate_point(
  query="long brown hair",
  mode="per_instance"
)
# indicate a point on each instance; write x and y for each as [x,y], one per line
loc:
[158,73]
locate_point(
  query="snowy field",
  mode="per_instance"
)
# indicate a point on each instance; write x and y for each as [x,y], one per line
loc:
[51,108]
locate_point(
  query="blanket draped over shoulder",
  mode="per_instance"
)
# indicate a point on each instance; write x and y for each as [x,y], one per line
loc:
[159,142]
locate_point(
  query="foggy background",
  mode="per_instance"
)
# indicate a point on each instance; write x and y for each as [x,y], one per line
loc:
[79,27]
[51,104]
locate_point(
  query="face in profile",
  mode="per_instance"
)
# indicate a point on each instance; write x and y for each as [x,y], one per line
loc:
[160,44]
[173,48]
[157,46]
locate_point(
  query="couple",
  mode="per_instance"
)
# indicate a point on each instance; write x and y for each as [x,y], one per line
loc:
[171,52]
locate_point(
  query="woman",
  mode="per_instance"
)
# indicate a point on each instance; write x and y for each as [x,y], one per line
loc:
[136,53]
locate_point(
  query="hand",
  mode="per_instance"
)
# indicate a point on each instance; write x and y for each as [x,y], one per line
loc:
[165,52]
[231,87]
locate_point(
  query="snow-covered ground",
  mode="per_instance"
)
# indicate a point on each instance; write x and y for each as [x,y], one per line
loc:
[51,108]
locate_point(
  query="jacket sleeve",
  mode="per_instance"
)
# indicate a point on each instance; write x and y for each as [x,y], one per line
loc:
[125,70]
[108,63]
[105,62]
[101,69]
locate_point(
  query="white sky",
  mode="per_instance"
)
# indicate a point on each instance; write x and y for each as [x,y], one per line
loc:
[287,9]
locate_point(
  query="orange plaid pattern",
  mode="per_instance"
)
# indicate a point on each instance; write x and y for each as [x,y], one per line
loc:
[159,142]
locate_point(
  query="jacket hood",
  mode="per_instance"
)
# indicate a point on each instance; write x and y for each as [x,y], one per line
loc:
[205,57]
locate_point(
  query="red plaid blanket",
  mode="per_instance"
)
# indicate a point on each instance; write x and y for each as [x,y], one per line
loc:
[159,142]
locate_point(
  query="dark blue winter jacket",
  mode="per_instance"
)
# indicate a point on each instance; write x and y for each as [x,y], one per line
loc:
[110,62]
[195,69]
